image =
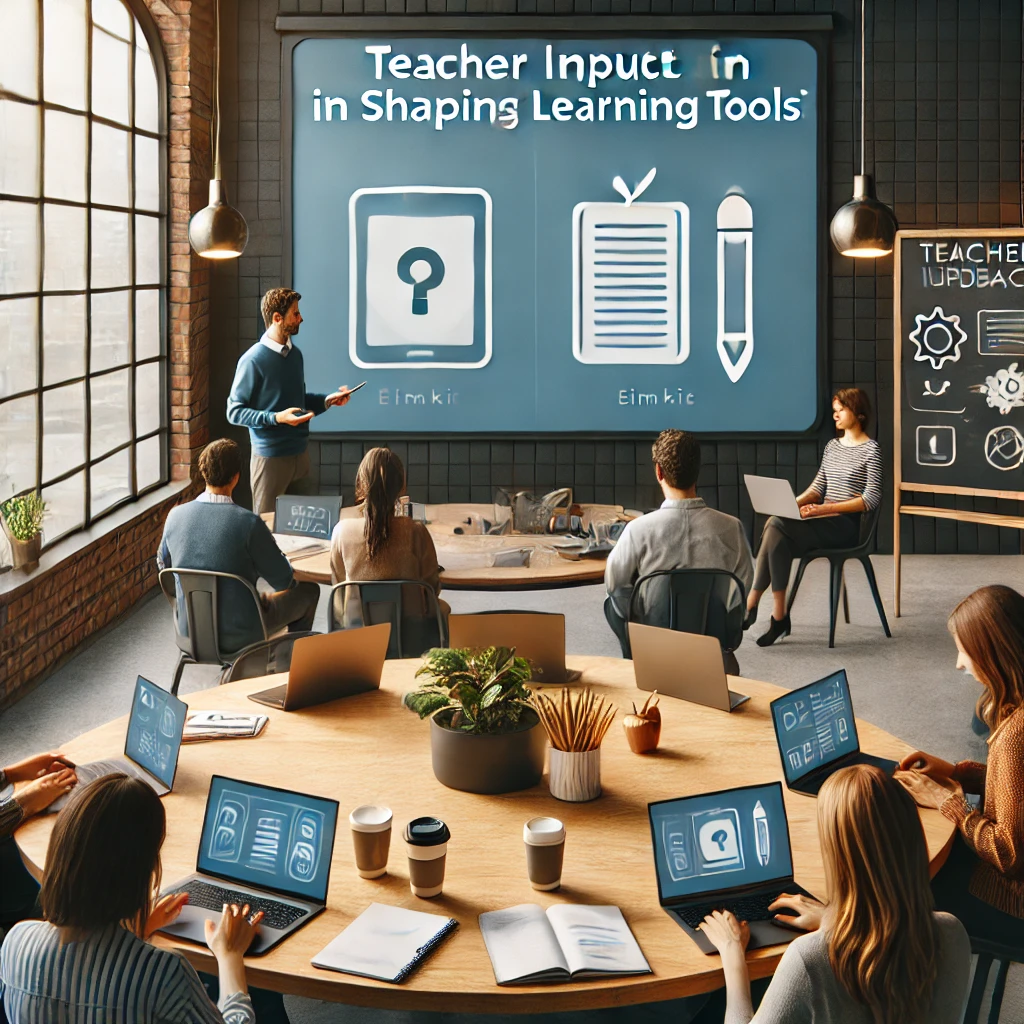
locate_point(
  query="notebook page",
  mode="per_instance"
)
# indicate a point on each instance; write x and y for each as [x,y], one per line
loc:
[596,940]
[522,945]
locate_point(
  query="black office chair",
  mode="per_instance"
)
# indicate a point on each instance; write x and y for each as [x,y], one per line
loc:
[837,557]
[988,952]
[710,602]
[356,603]
[263,659]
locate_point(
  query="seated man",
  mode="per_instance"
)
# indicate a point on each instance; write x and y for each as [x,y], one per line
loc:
[683,534]
[214,533]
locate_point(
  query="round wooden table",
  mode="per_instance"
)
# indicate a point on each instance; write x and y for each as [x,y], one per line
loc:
[466,558]
[369,749]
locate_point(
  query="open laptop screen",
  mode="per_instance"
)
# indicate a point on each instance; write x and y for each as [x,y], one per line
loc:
[716,841]
[814,725]
[154,730]
[271,838]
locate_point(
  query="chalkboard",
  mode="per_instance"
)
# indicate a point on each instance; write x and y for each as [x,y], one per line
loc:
[959,358]
[305,516]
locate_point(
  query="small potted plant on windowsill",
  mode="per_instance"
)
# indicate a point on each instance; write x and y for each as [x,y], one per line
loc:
[484,736]
[22,518]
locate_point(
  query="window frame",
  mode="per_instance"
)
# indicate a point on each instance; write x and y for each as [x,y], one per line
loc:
[140,21]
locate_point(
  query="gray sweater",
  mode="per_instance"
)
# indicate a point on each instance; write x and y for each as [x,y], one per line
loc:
[805,991]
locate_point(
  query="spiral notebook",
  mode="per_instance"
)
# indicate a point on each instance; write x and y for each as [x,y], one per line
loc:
[386,943]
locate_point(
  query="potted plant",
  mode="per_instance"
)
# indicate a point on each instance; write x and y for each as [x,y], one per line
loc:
[23,524]
[484,735]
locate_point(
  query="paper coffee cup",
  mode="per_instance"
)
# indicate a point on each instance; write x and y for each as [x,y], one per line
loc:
[426,842]
[545,845]
[371,837]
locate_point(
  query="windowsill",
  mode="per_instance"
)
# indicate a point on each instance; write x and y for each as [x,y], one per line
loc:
[13,581]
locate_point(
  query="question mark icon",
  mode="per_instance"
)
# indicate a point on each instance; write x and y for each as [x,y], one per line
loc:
[720,838]
[420,288]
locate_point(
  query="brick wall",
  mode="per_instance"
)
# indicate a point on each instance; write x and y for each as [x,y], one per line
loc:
[944,143]
[42,621]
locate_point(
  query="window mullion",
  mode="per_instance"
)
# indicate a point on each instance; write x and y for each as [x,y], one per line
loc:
[40,248]
[133,482]
[88,263]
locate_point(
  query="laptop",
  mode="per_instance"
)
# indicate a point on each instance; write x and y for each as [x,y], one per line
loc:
[538,636]
[331,666]
[304,516]
[683,665]
[268,847]
[771,496]
[151,746]
[724,851]
[817,733]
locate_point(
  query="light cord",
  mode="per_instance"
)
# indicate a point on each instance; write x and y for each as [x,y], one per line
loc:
[216,93]
[863,86]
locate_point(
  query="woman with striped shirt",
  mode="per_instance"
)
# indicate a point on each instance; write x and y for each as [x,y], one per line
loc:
[848,482]
[88,961]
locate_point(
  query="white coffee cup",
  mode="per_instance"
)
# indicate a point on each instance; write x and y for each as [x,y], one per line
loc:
[371,837]
[545,845]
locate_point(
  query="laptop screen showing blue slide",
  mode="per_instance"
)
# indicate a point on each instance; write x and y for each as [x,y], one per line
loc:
[814,725]
[267,837]
[716,841]
[154,730]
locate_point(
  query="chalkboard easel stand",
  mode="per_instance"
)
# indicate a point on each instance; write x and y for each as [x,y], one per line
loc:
[899,484]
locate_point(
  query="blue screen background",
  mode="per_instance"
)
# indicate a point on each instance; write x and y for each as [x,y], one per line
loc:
[707,843]
[269,838]
[815,725]
[154,731]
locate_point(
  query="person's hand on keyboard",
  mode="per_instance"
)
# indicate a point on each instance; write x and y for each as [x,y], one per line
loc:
[799,912]
[38,794]
[727,935]
[165,910]
[232,935]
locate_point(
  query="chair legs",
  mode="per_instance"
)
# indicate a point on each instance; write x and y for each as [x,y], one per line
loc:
[997,992]
[835,585]
[973,1011]
[183,659]
[873,584]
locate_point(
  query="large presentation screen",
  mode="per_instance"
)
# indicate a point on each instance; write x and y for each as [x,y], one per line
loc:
[558,235]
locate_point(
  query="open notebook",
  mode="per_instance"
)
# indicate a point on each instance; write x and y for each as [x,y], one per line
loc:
[527,944]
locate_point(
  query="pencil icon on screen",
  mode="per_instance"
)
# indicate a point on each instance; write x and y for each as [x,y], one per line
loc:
[735,285]
[762,837]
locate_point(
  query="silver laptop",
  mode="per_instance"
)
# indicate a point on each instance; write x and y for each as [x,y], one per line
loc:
[537,636]
[151,746]
[329,667]
[771,496]
[683,665]
[268,847]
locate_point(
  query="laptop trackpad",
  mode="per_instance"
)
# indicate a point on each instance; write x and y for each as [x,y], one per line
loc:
[191,925]
[762,933]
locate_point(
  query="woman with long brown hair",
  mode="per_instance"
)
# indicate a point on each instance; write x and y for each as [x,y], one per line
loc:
[848,482]
[877,953]
[89,958]
[982,881]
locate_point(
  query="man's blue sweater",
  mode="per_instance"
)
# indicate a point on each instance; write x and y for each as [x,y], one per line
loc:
[265,384]
[225,538]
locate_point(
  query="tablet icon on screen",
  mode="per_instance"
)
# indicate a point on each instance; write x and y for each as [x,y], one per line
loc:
[420,277]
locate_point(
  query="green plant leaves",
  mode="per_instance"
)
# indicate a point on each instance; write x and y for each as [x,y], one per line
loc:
[23,515]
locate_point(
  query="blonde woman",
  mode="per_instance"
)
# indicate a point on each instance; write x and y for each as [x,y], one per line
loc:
[982,882]
[877,953]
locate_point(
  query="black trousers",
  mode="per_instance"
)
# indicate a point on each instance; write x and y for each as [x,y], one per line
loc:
[785,539]
[981,919]
[19,891]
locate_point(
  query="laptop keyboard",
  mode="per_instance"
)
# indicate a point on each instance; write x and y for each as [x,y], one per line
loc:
[746,908]
[213,897]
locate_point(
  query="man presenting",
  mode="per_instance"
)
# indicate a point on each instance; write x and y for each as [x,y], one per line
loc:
[269,397]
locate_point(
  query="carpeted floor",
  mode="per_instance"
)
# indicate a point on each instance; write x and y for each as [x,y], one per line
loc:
[907,684]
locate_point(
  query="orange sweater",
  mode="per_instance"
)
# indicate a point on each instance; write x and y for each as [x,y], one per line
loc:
[996,832]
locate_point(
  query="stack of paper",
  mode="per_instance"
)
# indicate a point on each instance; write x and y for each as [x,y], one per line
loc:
[222,725]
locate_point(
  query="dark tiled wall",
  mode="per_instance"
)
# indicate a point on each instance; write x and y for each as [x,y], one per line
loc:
[944,143]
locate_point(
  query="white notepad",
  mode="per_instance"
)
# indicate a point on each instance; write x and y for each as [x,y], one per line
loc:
[386,943]
[527,944]
[631,294]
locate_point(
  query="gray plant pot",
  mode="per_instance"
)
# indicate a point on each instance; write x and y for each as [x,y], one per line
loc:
[488,764]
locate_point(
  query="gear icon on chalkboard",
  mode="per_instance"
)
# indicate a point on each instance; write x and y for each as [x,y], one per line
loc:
[938,338]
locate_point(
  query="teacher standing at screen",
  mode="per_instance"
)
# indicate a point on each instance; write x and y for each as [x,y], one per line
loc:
[269,397]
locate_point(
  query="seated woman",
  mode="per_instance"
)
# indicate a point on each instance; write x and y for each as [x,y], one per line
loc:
[380,545]
[848,482]
[982,882]
[876,952]
[89,960]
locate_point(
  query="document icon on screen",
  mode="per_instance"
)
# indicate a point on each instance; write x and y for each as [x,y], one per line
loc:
[420,277]
[631,282]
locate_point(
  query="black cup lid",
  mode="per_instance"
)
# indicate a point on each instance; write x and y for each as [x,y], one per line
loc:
[427,832]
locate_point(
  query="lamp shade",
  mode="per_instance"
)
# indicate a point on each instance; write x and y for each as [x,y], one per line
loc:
[218,231]
[864,227]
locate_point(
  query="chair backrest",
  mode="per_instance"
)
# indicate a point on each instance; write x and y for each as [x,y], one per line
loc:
[273,655]
[197,594]
[711,602]
[410,606]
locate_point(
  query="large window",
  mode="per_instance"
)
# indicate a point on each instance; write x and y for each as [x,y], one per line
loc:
[83,395]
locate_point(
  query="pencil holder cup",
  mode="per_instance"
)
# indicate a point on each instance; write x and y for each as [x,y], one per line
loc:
[575,775]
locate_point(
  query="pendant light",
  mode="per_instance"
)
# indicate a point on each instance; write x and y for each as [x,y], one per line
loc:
[218,231]
[864,227]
